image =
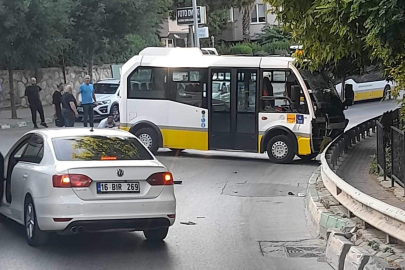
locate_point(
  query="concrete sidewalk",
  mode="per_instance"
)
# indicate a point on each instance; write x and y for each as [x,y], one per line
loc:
[24,117]
[355,171]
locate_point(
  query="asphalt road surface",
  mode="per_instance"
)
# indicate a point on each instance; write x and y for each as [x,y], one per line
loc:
[243,215]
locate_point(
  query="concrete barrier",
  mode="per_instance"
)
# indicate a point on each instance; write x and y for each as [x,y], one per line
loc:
[336,250]
[356,258]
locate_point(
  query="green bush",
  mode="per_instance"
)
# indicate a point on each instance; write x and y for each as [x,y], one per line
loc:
[256,47]
[271,48]
[240,49]
[260,53]
[223,49]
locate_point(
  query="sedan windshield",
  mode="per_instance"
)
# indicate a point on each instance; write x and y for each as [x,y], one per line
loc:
[105,88]
[322,90]
[89,148]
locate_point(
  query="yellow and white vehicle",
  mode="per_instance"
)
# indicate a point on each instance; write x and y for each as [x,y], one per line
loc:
[180,99]
[369,86]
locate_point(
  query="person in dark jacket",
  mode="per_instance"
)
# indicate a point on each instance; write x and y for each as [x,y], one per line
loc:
[34,102]
[69,107]
[57,102]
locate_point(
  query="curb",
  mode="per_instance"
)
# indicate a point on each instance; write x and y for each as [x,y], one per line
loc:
[345,250]
[21,124]
[322,218]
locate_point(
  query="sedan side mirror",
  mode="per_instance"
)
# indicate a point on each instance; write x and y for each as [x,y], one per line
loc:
[349,95]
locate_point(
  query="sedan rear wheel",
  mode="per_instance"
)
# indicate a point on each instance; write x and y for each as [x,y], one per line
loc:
[156,235]
[35,237]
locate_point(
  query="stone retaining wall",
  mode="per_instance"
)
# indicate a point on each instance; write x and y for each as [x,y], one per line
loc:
[48,79]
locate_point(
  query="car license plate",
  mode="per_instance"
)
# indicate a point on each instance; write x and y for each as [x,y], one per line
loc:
[132,187]
[80,109]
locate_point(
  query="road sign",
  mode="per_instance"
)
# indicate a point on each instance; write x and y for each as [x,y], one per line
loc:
[185,15]
[203,32]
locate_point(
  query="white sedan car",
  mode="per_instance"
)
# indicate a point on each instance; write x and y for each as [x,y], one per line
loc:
[73,180]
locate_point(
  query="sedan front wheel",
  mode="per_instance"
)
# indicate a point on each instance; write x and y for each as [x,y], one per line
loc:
[35,237]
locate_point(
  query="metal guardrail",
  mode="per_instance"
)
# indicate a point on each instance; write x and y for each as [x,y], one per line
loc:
[380,215]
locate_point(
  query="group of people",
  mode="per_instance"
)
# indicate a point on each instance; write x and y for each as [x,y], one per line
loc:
[65,104]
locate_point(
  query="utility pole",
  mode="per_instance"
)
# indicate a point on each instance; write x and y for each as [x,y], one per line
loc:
[190,30]
[196,39]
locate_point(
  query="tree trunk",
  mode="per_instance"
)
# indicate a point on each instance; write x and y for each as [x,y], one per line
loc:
[64,69]
[246,23]
[90,63]
[12,93]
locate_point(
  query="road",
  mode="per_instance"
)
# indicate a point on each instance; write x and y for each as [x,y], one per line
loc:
[240,205]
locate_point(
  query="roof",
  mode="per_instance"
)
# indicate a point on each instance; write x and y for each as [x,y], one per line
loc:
[78,132]
[193,57]
[108,81]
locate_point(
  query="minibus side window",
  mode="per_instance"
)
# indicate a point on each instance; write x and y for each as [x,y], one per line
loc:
[276,92]
[188,85]
[147,83]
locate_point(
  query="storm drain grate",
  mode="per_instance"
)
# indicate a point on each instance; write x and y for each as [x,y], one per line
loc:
[300,249]
[304,252]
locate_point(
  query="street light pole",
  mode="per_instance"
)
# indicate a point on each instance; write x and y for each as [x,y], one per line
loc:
[196,39]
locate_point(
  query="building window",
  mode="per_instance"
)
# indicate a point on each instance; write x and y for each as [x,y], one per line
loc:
[230,15]
[258,14]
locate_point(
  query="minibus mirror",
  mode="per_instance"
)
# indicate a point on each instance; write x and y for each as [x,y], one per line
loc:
[349,95]
[295,95]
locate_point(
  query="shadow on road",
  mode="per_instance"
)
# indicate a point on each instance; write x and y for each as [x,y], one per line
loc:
[262,158]
[102,249]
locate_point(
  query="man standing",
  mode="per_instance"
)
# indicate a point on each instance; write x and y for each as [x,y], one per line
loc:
[88,99]
[34,102]
[69,110]
[57,102]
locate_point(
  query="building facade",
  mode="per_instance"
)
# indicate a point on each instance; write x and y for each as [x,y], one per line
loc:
[174,35]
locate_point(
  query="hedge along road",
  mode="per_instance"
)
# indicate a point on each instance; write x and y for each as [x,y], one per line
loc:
[238,202]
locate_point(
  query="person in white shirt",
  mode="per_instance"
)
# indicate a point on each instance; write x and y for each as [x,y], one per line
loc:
[107,123]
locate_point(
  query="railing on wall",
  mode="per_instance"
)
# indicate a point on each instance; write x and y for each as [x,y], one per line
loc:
[398,157]
[391,138]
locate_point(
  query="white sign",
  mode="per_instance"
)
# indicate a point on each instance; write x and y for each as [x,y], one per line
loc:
[203,32]
[186,15]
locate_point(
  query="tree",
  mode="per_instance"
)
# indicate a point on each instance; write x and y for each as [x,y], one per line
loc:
[245,7]
[97,23]
[330,39]
[348,35]
[272,34]
[31,35]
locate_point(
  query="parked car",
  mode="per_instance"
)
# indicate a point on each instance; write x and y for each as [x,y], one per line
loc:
[81,181]
[107,95]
